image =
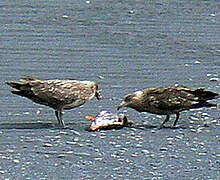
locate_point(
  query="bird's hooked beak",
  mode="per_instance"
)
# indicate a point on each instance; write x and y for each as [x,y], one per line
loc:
[98,95]
[123,104]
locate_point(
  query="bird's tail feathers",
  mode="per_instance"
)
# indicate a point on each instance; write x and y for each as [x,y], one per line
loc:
[205,95]
[22,86]
[23,83]
[205,104]
[16,85]
[210,104]
[20,93]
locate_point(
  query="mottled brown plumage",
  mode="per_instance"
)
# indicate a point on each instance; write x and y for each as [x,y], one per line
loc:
[169,100]
[57,94]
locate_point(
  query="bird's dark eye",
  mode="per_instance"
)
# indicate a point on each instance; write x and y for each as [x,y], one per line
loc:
[129,98]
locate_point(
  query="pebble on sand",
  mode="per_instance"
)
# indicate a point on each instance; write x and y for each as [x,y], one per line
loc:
[214,79]
[16,161]
[197,62]
[145,151]
[213,15]
[47,145]
[65,16]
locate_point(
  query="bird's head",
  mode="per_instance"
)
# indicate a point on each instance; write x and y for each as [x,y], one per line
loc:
[131,100]
[94,87]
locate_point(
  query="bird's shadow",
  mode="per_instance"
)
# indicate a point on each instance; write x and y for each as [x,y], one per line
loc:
[149,126]
[40,125]
[144,126]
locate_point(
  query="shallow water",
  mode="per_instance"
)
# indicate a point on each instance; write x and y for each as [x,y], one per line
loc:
[124,46]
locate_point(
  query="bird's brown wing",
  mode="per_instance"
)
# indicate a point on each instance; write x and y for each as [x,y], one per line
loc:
[172,98]
[59,91]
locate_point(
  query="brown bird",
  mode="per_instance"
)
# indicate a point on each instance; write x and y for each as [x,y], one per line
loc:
[169,100]
[57,94]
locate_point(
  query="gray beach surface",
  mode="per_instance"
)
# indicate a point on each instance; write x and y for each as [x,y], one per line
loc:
[124,46]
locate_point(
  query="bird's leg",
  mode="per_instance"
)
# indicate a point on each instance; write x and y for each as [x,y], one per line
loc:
[177,117]
[167,119]
[59,118]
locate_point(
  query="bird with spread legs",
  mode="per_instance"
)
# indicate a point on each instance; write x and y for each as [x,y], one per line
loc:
[57,94]
[169,100]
